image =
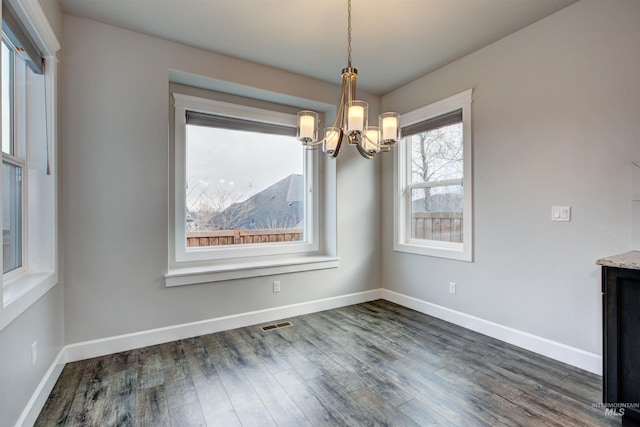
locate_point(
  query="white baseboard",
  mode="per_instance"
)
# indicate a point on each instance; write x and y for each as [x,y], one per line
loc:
[588,361]
[40,395]
[101,347]
[573,356]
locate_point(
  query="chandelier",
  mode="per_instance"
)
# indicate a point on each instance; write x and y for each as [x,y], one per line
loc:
[351,122]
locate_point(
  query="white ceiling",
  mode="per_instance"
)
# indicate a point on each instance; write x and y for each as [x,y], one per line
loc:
[394,41]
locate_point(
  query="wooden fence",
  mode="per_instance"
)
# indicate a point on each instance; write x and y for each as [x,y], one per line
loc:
[237,237]
[441,226]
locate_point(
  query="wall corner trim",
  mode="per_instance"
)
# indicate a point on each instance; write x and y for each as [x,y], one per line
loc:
[573,356]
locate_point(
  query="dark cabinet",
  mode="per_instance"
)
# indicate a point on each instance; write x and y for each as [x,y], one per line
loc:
[621,341]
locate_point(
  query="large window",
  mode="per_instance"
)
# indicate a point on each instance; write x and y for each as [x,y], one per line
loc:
[433,191]
[245,182]
[28,179]
[245,192]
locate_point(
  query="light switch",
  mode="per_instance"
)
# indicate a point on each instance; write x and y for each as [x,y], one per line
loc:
[561,213]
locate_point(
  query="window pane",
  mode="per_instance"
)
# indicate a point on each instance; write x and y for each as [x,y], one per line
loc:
[7,109]
[11,216]
[243,187]
[436,213]
[437,154]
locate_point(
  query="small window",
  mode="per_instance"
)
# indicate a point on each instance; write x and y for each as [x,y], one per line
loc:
[433,169]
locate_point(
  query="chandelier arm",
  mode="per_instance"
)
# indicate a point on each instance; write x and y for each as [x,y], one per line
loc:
[314,144]
[383,145]
[364,153]
[338,145]
[365,136]
[339,122]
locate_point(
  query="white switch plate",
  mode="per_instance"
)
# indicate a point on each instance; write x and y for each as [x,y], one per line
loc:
[452,288]
[276,286]
[561,213]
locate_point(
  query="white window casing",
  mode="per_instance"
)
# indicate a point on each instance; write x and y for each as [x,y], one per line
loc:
[402,240]
[190,265]
[36,131]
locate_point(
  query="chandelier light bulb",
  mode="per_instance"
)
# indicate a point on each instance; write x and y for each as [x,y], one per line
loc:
[307,126]
[331,139]
[389,125]
[357,116]
[371,140]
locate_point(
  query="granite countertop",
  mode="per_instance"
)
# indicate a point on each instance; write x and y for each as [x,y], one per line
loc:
[630,260]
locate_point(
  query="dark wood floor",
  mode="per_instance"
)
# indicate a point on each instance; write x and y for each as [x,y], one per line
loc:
[368,364]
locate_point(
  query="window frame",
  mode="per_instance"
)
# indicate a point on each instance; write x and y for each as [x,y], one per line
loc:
[208,264]
[403,242]
[20,290]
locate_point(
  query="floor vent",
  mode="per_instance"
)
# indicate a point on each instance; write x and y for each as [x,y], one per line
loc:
[277,326]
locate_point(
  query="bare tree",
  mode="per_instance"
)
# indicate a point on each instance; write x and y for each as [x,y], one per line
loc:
[436,156]
[215,208]
[272,223]
[236,213]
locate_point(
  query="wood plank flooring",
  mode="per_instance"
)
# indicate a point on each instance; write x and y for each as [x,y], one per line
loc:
[371,364]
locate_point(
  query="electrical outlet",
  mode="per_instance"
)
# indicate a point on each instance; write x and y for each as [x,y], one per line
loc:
[276,286]
[452,288]
[34,352]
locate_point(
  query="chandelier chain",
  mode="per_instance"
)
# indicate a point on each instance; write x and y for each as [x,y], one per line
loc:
[349,32]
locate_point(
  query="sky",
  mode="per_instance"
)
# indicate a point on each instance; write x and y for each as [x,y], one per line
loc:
[241,163]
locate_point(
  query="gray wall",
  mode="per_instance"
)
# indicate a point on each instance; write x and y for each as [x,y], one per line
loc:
[115,180]
[42,322]
[556,121]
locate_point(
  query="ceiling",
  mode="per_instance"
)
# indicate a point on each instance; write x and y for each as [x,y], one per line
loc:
[394,41]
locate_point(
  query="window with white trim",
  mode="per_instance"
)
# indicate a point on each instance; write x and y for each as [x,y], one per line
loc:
[28,180]
[433,191]
[245,194]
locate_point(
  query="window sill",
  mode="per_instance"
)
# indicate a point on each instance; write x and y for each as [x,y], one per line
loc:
[22,292]
[459,254]
[242,270]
